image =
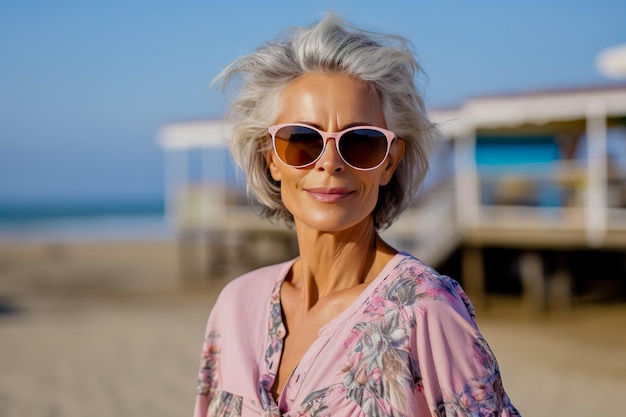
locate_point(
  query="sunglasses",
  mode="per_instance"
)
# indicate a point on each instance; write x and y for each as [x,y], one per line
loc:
[361,147]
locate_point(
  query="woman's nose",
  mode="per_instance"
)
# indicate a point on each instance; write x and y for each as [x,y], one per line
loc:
[330,160]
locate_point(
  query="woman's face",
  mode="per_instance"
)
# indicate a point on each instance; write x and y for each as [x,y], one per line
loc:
[330,196]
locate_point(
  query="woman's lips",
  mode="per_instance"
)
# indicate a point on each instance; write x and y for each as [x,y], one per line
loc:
[329,195]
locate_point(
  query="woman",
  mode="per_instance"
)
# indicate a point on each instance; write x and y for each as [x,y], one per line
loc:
[333,138]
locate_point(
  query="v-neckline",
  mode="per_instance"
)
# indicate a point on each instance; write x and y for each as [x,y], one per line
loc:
[277,331]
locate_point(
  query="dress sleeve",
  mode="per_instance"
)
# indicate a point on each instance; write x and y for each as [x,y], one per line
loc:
[460,374]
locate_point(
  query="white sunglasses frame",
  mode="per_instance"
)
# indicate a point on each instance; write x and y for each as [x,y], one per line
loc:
[389,135]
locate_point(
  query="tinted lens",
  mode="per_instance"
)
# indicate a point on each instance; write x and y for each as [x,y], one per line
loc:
[298,145]
[363,148]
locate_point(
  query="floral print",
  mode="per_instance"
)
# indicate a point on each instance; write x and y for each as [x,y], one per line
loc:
[276,329]
[315,404]
[207,381]
[225,404]
[480,396]
[380,365]
[408,346]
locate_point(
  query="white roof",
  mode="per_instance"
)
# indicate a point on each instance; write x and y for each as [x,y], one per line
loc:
[195,134]
[509,111]
[490,112]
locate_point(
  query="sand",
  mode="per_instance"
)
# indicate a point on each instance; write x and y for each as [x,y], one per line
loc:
[106,329]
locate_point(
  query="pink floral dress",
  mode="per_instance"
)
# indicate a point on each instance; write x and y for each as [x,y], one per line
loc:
[408,346]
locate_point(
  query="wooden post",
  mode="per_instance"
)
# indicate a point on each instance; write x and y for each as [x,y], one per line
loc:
[596,198]
[533,279]
[466,182]
[474,276]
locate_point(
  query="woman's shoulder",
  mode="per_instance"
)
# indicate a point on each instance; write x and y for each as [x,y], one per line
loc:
[247,298]
[411,268]
[259,281]
[417,280]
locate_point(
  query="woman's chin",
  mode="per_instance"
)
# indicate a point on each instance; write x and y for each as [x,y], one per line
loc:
[334,223]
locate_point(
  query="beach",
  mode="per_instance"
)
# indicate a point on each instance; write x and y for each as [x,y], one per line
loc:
[107,328]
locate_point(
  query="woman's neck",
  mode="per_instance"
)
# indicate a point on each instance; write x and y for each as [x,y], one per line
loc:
[333,262]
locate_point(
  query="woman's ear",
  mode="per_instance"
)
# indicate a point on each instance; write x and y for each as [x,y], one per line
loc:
[270,160]
[396,153]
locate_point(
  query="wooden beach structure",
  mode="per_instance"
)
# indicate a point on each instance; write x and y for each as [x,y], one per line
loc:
[540,173]
[218,231]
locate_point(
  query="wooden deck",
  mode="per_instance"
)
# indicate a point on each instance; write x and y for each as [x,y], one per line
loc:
[230,240]
[543,227]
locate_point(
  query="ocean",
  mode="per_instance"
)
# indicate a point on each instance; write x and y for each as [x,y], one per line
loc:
[85,221]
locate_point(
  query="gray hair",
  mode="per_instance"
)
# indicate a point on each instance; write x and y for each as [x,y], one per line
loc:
[385,62]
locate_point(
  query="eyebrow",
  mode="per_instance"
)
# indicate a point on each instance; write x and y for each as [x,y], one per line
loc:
[348,126]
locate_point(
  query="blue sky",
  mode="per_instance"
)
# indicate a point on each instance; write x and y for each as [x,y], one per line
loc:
[85,86]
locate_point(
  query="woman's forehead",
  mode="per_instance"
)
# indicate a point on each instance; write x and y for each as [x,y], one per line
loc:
[330,98]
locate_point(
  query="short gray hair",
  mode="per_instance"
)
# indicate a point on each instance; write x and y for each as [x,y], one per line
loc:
[385,62]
